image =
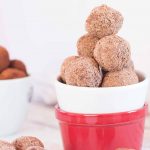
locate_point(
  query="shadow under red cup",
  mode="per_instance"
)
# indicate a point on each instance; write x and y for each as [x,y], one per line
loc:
[102,131]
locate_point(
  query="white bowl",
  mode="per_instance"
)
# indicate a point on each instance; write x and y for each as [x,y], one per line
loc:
[14,99]
[102,100]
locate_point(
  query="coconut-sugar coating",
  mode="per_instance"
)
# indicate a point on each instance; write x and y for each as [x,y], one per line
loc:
[25,142]
[104,21]
[11,73]
[65,65]
[112,53]
[18,64]
[4,58]
[6,146]
[120,78]
[35,148]
[83,72]
[130,65]
[86,45]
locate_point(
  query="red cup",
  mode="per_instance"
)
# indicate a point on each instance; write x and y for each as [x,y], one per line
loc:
[102,131]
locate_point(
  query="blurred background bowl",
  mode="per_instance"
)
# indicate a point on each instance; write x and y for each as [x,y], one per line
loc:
[14,99]
[88,100]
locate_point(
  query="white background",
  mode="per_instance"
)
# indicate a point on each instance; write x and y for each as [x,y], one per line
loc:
[44,32]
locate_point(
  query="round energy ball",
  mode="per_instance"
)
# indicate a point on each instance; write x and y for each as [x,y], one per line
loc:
[66,64]
[83,72]
[11,73]
[104,21]
[25,142]
[130,65]
[6,146]
[86,45]
[18,64]
[120,78]
[4,58]
[112,53]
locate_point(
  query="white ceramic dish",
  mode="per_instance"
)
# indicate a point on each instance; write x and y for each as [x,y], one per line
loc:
[14,99]
[102,100]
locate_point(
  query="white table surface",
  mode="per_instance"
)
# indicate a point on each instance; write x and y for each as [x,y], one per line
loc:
[41,123]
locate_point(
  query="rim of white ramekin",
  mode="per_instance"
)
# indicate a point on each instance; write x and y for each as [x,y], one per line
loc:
[144,80]
[15,80]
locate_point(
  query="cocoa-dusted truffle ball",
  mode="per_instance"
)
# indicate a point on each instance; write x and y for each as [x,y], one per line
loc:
[25,142]
[4,58]
[86,45]
[11,73]
[66,64]
[120,78]
[104,21]
[130,65]
[18,64]
[112,53]
[83,72]
[6,146]
[35,148]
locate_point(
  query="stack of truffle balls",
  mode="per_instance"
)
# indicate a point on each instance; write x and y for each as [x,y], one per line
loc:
[23,143]
[104,58]
[10,69]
